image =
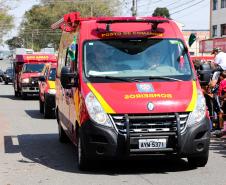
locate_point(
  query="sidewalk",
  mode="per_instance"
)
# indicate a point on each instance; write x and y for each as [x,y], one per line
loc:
[221,140]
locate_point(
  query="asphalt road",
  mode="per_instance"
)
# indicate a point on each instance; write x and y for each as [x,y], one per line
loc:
[30,154]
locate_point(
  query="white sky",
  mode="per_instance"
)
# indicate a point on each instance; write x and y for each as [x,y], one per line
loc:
[194,16]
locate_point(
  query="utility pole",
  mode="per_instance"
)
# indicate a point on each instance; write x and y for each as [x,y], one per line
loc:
[134,8]
[32,40]
[91,9]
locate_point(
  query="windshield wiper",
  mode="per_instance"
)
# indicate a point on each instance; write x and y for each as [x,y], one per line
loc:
[116,78]
[163,78]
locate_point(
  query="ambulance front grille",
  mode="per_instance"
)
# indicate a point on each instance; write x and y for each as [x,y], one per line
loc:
[149,123]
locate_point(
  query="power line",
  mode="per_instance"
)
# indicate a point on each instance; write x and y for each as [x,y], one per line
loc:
[185,3]
[187,7]
[157,1]
[171,4]
[193,11]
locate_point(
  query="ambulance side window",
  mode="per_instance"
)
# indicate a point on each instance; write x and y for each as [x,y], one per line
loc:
[75,63]
[68,59]
[71,61]
[46,72]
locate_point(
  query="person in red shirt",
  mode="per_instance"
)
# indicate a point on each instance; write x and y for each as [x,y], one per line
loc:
[222,97]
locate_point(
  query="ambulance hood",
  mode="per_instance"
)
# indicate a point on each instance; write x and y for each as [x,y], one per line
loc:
[153,97]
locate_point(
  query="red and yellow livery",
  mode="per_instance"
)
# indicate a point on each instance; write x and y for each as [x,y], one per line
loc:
[126,87]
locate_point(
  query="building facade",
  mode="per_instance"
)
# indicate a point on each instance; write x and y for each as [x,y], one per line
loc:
[217,18]
[200,35]
[217,27]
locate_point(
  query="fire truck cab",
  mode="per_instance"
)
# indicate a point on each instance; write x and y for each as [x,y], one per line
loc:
[126,87]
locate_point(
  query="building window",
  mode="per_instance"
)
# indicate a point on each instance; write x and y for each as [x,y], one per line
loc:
[215,4]
[223,3]
[214,33]
[223,29]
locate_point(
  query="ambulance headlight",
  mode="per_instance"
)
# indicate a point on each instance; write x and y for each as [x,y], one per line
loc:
[96,112]
[25,80]
[199,112]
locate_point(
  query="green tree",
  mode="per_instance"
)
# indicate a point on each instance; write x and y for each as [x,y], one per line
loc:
[164,12]
[15,42]
[35,28]
[6,20]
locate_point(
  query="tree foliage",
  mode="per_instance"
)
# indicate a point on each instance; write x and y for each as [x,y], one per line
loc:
[15,42]
[6,20]
[164,12]
[35,29]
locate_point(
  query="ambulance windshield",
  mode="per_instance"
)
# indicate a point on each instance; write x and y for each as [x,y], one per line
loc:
[130,58]
[33,68]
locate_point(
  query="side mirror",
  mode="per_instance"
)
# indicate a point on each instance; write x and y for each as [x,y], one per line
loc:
[72,51]
[192,39]
[67,78]
[42,78]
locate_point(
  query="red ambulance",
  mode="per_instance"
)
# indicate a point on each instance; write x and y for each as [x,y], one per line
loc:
[126,87]
[27,70]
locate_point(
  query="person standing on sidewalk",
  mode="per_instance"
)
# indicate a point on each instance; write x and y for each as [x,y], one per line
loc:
[219,65]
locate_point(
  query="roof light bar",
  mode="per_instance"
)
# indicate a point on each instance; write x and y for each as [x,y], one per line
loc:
[70,21]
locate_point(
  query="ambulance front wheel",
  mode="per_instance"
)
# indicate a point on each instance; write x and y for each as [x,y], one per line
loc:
[198,161]
[82,159]
[24,95]
[47,111]
[41,106]
[16,93]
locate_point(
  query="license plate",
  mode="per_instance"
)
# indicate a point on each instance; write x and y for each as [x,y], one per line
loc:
[152,143]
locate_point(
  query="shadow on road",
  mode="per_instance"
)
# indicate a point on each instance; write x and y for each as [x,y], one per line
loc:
[12,97]
[35,114]
[218,146]
[45,149]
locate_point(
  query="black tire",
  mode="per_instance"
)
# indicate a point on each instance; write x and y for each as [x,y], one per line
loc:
[16,94]
[47,111]
[24,96]
[198,161]
[63,138]
[82,160]
[53,114]
[41,106]
[6,82]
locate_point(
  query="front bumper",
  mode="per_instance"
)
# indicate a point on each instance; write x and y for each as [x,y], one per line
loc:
[30,88]
[103,142]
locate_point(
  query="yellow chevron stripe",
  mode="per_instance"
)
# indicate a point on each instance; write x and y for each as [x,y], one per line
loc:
[193,101]
[103,103]
[52,84]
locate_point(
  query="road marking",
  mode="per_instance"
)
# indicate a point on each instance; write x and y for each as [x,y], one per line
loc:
[15,140]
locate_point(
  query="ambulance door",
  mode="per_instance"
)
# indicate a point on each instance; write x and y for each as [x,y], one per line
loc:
[66,93]
[74,94]
[43,85]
